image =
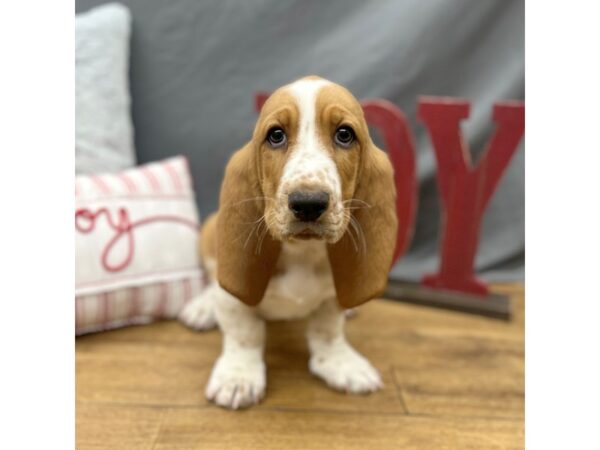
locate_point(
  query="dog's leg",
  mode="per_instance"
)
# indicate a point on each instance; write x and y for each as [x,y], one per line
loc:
[238,378]
[332,358]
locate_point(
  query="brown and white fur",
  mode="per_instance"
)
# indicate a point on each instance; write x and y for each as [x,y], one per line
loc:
[267,263]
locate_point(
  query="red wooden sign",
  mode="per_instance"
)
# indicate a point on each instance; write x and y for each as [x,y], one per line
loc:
[466,190]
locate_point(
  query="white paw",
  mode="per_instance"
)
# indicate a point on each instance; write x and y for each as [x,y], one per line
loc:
[236,383]
[346,370]
[199,313]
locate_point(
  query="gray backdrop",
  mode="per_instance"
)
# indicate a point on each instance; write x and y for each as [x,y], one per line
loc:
[196,64]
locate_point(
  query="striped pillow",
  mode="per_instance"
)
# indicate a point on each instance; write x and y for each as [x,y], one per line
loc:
[136,257]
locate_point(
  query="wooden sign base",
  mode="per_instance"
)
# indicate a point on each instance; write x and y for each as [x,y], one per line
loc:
[492,305]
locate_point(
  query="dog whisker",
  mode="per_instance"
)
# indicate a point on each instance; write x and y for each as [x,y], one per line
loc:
[260,240]
[353,239]
[254,228]
[364,204]
[348,217]
[360,232]
[251,199]
[261,236]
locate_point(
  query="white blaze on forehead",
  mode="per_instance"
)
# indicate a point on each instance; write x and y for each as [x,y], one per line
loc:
[305,92]
[309,166]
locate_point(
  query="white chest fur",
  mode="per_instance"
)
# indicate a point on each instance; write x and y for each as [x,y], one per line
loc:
[302,281]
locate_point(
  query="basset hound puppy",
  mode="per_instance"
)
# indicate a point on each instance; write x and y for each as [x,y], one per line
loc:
[306,227]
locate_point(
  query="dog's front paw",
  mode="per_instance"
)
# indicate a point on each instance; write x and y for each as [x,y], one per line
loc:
[344,369]
[199,313]
[236,384]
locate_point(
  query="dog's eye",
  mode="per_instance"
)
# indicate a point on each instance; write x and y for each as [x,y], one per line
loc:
[276,137]
[344,136]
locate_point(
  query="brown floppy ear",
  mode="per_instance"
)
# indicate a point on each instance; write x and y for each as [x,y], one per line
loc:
[361,266]
[244,265]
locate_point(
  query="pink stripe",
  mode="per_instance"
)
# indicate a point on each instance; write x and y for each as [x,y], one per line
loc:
[166,292]
[99,308]
[135,301]
[101,184]
[162,304]
[78,313]
[128,182]
[174,176]
[108,297]
[154,184]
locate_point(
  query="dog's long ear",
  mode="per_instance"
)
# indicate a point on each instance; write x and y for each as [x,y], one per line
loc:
[244,264]
[361,262]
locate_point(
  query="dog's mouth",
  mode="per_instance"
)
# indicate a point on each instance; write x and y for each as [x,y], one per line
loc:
[305,230]
[307,233]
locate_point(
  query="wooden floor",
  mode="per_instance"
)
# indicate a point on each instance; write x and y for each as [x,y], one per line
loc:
[452,381]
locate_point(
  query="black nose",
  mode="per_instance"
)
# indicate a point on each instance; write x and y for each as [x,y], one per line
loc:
[308,206]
